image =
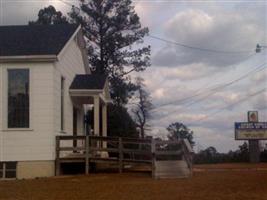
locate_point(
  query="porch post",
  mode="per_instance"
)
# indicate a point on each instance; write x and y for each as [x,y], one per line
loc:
[104,120]
[96,115]
[104,123]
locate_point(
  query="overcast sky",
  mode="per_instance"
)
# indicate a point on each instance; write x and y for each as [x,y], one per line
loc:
[178,73]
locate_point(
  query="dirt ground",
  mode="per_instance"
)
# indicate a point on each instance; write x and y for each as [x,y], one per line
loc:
[204,185]
[234,166]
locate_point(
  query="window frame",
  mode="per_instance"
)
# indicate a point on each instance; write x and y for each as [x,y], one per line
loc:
[6,169]
[5,98]
[19,121]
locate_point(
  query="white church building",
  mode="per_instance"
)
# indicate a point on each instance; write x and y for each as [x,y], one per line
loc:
[45,85]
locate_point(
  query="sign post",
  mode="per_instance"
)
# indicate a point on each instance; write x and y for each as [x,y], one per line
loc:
[253,145]
[253,131]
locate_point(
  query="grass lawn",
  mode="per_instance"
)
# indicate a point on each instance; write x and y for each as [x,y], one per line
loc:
[204,185]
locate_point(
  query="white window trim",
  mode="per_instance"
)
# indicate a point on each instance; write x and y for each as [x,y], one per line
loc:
[5,98]
[62,117]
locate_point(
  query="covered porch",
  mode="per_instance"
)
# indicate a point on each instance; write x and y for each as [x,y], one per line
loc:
[91,92]
[96,147]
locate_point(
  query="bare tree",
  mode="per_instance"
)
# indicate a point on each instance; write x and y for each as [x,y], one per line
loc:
[142,107]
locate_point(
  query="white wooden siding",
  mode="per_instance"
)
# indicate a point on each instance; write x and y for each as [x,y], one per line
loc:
[35,143]
[38,142]
[1,115]
[70,63]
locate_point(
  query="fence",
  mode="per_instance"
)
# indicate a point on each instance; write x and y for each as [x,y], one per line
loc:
[119,150]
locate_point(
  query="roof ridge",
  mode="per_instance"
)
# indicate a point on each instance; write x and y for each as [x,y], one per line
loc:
[39,25]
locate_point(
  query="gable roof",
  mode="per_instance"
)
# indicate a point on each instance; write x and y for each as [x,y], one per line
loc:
[34,40]
[89,82]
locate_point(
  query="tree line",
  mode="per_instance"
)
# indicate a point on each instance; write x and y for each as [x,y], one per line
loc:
[211,156]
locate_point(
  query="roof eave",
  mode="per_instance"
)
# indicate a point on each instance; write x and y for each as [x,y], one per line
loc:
[29,58]
[85,92]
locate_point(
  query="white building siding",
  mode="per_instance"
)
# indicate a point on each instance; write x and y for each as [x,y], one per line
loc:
[1,115]
[36,143]
[70,63]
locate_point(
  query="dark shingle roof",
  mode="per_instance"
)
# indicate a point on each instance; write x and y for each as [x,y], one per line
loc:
[34,40]
[88,82]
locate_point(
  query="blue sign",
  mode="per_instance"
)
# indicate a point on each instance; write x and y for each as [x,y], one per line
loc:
[251,130]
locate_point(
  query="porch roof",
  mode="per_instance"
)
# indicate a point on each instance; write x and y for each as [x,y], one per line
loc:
[89,85]
[88,82]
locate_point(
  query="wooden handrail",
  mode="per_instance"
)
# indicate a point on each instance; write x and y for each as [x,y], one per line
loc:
[188,146]
[168,142]
[178,152]
[71,137]
[147,150]
[125,140]
[115,139]
[120,155]
[188,154]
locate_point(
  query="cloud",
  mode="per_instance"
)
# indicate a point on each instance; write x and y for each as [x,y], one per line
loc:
[260,103]
[151,13]
[223,141]
[260,78]
[178,72]
[21,12]
[225,31]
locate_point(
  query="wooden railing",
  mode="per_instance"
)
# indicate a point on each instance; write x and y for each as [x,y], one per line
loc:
[188,154]
[119,150]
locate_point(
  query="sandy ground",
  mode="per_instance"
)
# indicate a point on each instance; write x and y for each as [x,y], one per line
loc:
[205,185]
[234,167]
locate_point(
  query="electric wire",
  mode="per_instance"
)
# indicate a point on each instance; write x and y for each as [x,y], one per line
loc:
[199,100]
[66,3]
[233,104]
[197,48]
[213,90]
[181,44]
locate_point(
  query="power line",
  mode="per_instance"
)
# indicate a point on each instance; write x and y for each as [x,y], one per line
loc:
[226,85]
[233,104]
[197,48]
[215,89]
[181,44]
[197,92]
[199,100]
[66,3]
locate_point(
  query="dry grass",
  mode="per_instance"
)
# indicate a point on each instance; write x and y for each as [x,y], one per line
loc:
[208,185]
[231,167]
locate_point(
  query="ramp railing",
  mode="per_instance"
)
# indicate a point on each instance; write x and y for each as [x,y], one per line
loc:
[120,150]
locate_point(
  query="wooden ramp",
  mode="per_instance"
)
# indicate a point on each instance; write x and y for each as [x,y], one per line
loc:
[172,159]
[171,169]
[168,159]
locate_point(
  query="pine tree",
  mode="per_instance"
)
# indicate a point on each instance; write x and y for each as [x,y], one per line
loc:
[114,35]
